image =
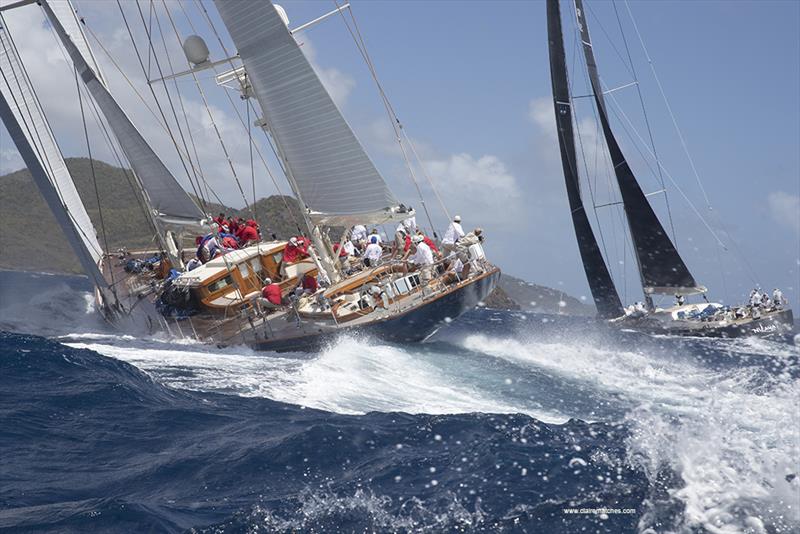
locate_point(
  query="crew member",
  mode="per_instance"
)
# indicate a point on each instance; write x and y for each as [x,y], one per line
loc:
[778,299]
[310,285]
[374,233]
[248,234]
[452,235]
[295,250]
[422,258]
[359,233]
[271,295]
[373,253]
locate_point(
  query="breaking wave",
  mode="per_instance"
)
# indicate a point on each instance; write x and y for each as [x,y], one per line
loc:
[500,423]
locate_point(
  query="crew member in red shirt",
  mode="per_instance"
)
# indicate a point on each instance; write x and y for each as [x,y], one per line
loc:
[309,284]
[296,249]
[271,295]
[425,239]
[248,234]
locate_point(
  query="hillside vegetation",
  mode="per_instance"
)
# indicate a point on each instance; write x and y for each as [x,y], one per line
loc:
[31,240]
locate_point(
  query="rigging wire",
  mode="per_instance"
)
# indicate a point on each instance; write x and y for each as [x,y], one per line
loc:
[719,221]
[28,121]
[94,179]
[98,118]
[647,123]
[199,170]
[250,106]
[577,130]
[393,118]
[141,98]
[221,142]
[669,108]
[169,99]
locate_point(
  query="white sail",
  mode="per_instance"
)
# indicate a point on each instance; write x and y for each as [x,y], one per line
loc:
[66,14]
[163,192]
[332,173]
[24,106]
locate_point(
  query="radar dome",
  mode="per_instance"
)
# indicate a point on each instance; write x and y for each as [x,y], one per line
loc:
[195,49]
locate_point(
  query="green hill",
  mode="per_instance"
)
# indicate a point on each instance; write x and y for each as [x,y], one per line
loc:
[31,240]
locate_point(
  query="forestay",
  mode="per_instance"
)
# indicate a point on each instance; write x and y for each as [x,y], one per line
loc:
[330,171]
[66,14]
[24,106]
[661,267]
[163,192]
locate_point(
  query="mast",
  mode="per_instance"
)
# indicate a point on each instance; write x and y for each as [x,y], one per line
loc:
[601,285]
[327,168]
[53,199]
[168,201]
[27,124]
[661,268]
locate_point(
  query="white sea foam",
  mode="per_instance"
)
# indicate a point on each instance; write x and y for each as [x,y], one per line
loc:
[351,376]
[733,435]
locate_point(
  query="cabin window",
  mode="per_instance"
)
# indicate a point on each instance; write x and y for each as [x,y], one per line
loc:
[402,285]
[255,264]
[219,284]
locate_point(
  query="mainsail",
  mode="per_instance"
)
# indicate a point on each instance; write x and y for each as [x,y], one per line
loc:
[163,192]
[661,267]
[31,133]
[332,174]
[604,293]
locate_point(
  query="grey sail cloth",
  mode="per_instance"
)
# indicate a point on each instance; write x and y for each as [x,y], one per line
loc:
[26,111]
[332,172]
[163,193]
[662,268]
[46,186]
[66,14]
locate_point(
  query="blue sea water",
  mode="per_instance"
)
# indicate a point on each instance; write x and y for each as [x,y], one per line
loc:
[504,422]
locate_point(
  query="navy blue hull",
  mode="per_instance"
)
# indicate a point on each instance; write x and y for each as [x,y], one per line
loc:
[412,326]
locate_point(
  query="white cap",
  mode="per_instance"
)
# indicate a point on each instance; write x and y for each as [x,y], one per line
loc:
[457,218]
[417,239]
[293,241]
[267,281]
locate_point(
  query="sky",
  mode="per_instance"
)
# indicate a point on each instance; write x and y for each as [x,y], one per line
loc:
[470,82]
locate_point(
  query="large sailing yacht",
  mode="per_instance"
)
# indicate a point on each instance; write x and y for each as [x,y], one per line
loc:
[661,269]
[324,163]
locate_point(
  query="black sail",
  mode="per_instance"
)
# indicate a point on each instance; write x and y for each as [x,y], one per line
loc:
[604,293]
[661,267]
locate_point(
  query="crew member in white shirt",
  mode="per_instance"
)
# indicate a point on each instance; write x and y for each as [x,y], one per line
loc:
[422,258]
[374,233]
[359,233]
[454,233]
[373,253]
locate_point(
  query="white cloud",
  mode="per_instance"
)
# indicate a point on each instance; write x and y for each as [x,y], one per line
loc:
[10,159]
[481,186]
[541,113]
[784,208]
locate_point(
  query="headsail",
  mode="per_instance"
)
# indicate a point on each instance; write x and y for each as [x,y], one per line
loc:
[604,293]
[28,127]
[332,173]
[164,194]
[662,268]
[68,17]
